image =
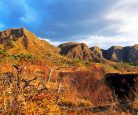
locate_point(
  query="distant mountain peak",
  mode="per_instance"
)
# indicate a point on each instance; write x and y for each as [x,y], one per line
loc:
[115,47]
[135,46]
[114,53]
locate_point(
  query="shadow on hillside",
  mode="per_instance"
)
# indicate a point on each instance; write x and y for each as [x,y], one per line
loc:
[124,89]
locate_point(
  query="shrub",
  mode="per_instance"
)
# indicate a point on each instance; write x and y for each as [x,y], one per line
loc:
[23,56]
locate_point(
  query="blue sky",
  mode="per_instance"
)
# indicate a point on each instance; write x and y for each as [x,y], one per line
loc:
[100,23]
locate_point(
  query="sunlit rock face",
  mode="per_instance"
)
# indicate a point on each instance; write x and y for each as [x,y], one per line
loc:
[11,34]
[22,41]
[97,52]
[77,51]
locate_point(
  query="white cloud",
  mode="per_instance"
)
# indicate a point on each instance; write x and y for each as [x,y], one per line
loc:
[123,20]
[123,16]
[106,42]
[55,43]
[100,41]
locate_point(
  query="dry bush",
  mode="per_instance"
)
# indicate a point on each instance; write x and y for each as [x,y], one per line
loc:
[25,91]
[85,85]
[32,88]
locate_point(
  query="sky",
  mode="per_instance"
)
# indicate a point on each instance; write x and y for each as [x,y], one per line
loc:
[102,23]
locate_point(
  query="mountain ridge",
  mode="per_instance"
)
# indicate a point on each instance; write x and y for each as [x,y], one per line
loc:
[21,40]
[114,53]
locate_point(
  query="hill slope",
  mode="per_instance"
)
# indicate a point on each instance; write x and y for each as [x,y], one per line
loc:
[122,54]
[21,41]
[77,51]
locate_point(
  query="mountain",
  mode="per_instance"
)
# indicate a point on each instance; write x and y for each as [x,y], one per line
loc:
[122,54]
[22,41]
[97,52]
[77,50]
[114,53]
[132,53]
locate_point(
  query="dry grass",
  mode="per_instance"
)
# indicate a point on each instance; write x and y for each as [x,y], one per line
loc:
[74,87]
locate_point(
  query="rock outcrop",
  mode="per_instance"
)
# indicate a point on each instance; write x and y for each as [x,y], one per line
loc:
[115,53]
[77,50]
[132,54]
[22,41]
[97,52]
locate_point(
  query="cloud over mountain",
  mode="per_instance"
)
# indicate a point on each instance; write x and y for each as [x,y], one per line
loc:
[93,21]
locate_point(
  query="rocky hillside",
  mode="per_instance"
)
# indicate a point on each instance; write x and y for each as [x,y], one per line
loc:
[77,51]
[22,41]
[115,53]
[132,53]
[122,54]
[97,52]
